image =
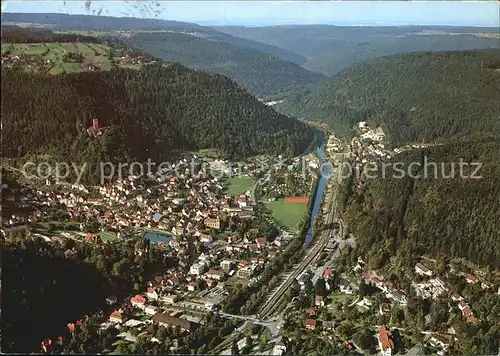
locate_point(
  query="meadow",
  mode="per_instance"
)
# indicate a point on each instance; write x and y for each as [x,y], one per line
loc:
[95,54]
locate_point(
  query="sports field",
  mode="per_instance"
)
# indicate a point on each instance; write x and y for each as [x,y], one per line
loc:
[288,214]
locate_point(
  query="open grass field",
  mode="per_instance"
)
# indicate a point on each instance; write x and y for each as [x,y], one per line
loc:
[288,214]
[239,185]
[95,54]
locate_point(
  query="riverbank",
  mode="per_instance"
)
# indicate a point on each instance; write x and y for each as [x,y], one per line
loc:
[320,188]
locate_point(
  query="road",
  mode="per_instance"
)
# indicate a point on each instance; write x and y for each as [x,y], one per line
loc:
[272,324]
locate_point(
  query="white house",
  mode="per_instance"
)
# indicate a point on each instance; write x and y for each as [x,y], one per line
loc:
[197,268]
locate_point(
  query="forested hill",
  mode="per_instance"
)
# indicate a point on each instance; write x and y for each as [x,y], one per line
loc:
[447,98]
[330,49]
[415,96]
[98,22]
[260,73]
[150,113]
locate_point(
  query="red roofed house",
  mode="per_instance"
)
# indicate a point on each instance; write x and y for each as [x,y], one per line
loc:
[328,273]
[117,316]
[310,324]
[384,341]
[71,327]
[93,238]
[192,286]
[242,263]
[213,223]
[46,345]
[471,279]
[213,274]
[261,241]
[311,312]
[138,301]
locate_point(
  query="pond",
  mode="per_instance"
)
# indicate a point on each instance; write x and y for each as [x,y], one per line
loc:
[157,238]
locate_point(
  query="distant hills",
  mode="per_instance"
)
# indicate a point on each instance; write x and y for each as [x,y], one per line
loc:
[330,49]
[262,69]
[57,21]
[241,52]
[262,74]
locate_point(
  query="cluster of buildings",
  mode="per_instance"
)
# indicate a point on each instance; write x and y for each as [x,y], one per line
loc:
[33,62]
[431,288]
[334,145]
[368,146]
[435,286]
[177,205]
[377,280]
[137,60]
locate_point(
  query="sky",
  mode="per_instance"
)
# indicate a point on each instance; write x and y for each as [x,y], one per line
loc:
[255,13]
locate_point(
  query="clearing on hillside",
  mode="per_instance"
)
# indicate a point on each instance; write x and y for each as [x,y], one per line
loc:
[70,57]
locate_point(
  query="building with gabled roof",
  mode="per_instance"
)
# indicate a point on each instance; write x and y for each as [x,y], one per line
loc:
[385,342]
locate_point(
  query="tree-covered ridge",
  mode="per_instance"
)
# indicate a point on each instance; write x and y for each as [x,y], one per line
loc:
[260,73]
[453,217]
[149,113]
[16,34]
[415,96]
[96,22]
[330,49]
[278,52]
[452,99]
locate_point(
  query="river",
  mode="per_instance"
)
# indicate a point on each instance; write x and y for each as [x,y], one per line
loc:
[325,167]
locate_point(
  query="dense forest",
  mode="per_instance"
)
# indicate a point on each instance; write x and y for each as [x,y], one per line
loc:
[455,217]
[16,34]
[148,113]
[452,99]
[415,96]
[39,281]
[98,22]
[283,54]
[258,72]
